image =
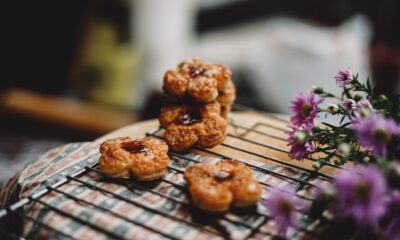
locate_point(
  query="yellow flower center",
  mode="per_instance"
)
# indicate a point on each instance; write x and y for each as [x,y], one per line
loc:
[362,191]
[285,207]
[381,135]
[306,110]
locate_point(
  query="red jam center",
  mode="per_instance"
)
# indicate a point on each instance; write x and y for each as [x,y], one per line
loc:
[188,118]
[134,147]
[195,72]
[222,175]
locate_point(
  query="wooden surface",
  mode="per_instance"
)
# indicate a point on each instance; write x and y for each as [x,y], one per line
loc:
[75,114]
[265,144]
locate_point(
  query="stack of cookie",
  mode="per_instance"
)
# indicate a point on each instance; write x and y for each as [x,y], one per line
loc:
[203,95]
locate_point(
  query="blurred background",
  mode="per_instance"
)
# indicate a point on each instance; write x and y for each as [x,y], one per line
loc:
[76,69]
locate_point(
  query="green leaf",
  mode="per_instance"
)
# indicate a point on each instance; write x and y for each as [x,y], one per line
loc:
[341,120]
[329,125]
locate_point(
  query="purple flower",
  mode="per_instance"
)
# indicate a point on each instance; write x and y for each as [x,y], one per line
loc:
[361,195]
[282,205]
[305,109]
[343,77]
[363,109]
[364,104]
[376,132]
[348,105]
[392,229]
[299,142]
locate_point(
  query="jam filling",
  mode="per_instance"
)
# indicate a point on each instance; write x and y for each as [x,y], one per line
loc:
[222,175]
[188,118]
[195,72]
[134,147]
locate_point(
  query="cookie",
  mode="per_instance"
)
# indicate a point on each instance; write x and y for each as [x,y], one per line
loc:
[145,159]
[216,187]
[197,79]
[188,125]
[227,95]
[226,98]
[225,110]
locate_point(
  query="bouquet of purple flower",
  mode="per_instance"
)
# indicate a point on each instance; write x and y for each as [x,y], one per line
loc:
[357,205]
[362,201]
[368,131]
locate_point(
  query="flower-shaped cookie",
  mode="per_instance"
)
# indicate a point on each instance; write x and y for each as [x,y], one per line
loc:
[215,187]
[228,95]
[198,79]
[187,125]
[226,98]
[145,159]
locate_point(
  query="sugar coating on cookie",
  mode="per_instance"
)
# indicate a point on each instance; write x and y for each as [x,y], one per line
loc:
[216,187]
[200,80]
[186,126]
[145,159]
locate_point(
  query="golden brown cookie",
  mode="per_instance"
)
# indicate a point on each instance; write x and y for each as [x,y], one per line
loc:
[198,79]
[188,125]
[215,187]
[227,95]
[225,110]
[145,159]
[226,98]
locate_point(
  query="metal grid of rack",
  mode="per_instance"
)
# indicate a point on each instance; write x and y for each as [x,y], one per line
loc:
[254,229]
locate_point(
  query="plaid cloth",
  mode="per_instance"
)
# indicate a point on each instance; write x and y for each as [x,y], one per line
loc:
[55,165]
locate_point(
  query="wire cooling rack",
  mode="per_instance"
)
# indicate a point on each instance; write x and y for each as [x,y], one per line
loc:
[239,132]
